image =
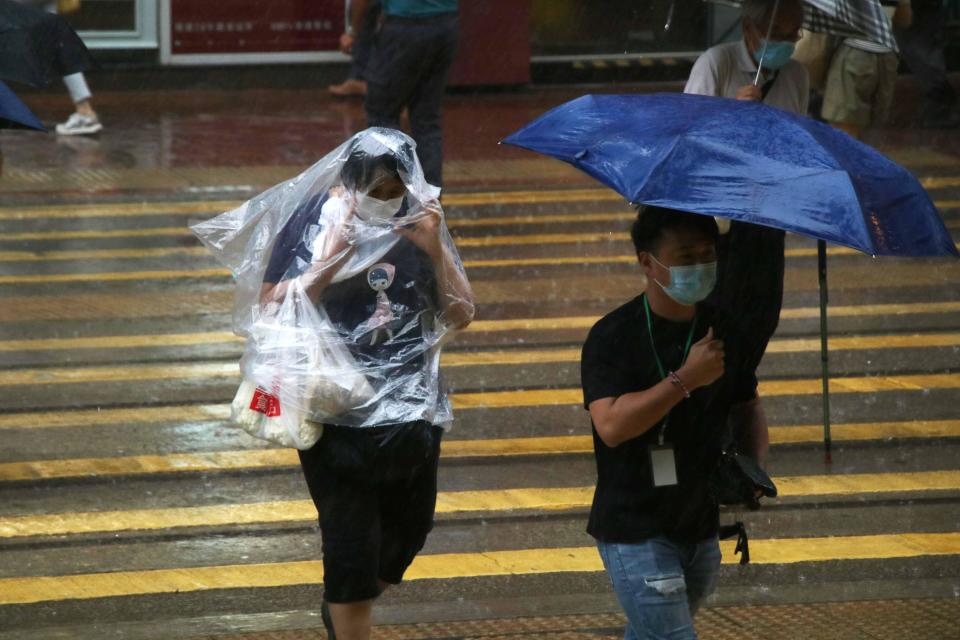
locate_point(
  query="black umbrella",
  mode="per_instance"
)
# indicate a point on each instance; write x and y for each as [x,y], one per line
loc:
[36,46]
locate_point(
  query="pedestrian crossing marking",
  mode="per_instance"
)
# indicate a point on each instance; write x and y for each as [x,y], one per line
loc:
[463,199]
[117,210]
[791,313]
[867,483]
[165,304]
[93,417]
[201,252]
[112,276]
[172,371]
[98,234]
[141,209]
[919,429]
[475,358]
[102,254]
[448,502]
[453,223]
[811,386]
[940,182]
[776,551]
[160,340]
[238,460]
[876,342]
[79,418]
[450,199]
[838,311]
[452,449]
[925,275]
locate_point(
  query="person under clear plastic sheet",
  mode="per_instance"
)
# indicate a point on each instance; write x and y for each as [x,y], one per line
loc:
[358,249]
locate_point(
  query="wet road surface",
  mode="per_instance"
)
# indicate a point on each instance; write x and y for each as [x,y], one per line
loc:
[130,509]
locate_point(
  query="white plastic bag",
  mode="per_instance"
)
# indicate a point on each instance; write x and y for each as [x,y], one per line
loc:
[259,413]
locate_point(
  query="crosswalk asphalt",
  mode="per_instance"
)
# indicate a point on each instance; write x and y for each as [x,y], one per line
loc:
[125,496]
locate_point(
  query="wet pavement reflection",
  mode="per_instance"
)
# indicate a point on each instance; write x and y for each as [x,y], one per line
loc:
[128,507]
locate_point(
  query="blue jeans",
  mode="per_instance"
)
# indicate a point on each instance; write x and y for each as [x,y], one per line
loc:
[661,584]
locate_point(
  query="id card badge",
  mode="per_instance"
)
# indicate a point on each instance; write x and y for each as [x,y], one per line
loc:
[664,465]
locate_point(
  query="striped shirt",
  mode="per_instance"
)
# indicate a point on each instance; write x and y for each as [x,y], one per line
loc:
[889,9]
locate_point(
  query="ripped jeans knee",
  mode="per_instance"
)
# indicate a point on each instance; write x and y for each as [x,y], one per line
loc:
[655,581]
[668,585]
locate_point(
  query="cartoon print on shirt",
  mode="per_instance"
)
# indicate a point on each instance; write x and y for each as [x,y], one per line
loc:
[380,277]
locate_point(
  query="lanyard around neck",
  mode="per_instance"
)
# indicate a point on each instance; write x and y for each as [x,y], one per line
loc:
[653,345]
[661,432]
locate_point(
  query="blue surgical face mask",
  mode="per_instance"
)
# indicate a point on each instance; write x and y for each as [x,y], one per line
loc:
[689,284]
[778,53]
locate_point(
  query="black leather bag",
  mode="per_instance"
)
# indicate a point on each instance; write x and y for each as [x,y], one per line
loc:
[737,479]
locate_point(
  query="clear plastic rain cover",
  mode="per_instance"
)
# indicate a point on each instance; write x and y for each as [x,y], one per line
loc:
[348,283]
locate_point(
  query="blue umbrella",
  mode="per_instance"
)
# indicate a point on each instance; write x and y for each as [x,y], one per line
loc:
[744,161]
[750,162]
[14,114]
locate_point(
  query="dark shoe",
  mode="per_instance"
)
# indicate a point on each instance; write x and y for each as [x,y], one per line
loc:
[327,620]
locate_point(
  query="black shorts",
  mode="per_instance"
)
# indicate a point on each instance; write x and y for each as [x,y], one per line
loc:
[375,489]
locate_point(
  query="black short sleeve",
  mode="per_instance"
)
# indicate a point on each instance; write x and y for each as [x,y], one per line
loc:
[289,242]
[601,375]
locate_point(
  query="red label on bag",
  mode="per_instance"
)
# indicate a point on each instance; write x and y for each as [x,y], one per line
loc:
[265,403]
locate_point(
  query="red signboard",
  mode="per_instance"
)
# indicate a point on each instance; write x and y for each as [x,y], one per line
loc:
[254,26]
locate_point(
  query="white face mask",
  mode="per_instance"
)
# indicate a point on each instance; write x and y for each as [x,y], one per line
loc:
[374,209]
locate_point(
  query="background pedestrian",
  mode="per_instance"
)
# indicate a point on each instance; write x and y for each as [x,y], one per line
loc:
[357,46]
[921,48]
[409,65]
[84,120]
[863,78]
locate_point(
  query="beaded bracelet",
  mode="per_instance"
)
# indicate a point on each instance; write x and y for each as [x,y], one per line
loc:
[678,383]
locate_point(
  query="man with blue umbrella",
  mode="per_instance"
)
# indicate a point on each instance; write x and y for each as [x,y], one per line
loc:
[658,383]
[751,264]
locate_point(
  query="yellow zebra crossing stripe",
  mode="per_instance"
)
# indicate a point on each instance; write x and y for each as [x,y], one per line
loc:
[494,500]
[466,400]
[25,590]
[201,252]
[213,461]
[469,358]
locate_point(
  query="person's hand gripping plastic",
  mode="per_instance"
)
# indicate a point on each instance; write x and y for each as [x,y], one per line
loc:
[424,232]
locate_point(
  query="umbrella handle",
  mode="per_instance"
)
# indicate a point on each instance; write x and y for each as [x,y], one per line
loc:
[824,350]
[766,41]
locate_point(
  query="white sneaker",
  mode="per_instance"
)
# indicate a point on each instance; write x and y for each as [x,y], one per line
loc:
[80,125]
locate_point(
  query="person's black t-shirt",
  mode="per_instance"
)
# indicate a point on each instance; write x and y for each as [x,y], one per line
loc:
[617,359]
[383,314]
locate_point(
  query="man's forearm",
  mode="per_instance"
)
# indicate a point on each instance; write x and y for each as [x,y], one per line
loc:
[633,414]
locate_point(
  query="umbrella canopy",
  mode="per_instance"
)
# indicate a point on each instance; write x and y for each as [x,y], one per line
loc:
[849,18]
[14,114]
[744,161]
[36,46]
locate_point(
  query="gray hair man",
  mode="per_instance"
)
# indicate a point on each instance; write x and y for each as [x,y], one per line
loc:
[728,70]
